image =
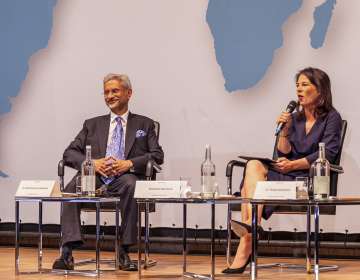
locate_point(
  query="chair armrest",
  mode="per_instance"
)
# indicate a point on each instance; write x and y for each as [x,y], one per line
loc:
[336,168]
[151,168]
[61,168]
[61,173]
[229,172]
[230,167]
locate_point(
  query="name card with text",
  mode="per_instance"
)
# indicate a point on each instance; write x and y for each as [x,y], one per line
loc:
[38,188]
[276,189]
[159,189]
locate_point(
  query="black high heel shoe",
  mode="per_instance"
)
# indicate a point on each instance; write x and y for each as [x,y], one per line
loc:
[241,229]
[237,270]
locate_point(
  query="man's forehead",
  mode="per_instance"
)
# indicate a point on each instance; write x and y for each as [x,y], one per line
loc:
[113,83]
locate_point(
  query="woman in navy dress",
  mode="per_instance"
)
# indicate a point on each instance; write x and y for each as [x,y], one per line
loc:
[314,121]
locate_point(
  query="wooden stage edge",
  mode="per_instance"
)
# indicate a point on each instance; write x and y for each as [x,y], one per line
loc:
[168,267]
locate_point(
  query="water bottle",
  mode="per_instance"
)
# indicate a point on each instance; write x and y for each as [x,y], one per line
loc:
[88,174]
[320,171]
[208,175]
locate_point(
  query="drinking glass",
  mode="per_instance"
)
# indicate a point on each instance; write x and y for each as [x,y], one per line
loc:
[78,189]
[187,192]
[302,189]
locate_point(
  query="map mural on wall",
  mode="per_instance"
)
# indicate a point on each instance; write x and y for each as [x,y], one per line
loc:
[246,34]
[246,37]
[25,28]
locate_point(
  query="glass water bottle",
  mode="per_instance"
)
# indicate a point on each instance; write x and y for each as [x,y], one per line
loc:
[320,170]
[208,175]
[88,174]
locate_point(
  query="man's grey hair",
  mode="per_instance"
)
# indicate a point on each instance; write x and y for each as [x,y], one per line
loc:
[122,78]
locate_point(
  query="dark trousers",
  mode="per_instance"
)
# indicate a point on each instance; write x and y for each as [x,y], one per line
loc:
[123,187]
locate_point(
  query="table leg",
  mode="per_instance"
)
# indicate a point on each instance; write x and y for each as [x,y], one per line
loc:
[308,239]
[254,241]
[146,235]
[228,228]
[97,238]
[212,250]
[116,235]
[40,244]
[139,240]
[17,238]
[184,238]
[61,217]
[317,243]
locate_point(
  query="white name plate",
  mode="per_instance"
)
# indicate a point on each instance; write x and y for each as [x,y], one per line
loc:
[159,189]
[38,188]
[276,189]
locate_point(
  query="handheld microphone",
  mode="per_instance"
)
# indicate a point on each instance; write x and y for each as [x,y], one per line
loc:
[289,109]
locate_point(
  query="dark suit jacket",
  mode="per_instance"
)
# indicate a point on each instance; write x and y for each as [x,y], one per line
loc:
[139,147]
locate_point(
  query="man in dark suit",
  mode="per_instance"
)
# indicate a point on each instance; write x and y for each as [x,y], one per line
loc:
[121,143]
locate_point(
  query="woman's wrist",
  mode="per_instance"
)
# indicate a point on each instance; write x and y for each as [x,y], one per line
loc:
[293,165]
[300,164]
[284,134]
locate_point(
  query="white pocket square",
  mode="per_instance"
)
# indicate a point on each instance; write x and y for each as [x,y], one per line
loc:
[140,133]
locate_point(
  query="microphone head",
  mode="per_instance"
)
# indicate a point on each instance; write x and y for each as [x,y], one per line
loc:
[291,106]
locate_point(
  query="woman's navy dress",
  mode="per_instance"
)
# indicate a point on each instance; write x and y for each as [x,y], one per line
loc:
[326,129]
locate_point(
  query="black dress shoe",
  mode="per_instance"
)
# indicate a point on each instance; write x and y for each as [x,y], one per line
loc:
[237,270]
[64,263]
[241,229]
[126,264]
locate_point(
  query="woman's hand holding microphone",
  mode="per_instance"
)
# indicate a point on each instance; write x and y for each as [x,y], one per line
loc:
[284,118]
[283,165]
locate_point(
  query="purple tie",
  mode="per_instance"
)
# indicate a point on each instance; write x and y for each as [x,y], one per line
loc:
[116,146]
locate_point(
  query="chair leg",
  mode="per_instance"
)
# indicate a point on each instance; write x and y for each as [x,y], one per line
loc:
[114,261]
[148,262]
[117,236]
[61,235]
[146,233]
[308,267]
[308,247]
[308,239]
[228,225]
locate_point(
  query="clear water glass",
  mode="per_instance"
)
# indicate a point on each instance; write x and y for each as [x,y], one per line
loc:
[78,189]
[303,188]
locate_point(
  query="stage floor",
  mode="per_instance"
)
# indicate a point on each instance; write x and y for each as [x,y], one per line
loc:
[168,267]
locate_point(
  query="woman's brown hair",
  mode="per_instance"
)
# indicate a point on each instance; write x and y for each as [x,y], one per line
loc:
[323,85]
